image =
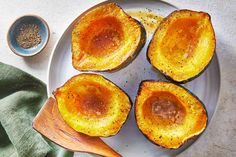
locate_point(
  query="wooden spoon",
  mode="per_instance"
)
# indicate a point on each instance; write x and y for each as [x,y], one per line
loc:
[49,123]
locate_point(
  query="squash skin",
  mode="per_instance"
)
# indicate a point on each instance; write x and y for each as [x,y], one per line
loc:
[120,57]
[77,115]
[170,73]
[167,144]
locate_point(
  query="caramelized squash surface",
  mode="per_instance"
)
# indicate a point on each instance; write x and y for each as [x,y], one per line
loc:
[183,45]
[168,114]
[93,105]
[106,38]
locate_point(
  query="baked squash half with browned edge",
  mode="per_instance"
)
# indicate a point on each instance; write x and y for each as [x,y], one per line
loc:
[168,114]
[93,105]
[106,38]
[183,45]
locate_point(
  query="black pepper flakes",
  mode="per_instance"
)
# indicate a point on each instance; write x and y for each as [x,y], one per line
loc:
[28,36]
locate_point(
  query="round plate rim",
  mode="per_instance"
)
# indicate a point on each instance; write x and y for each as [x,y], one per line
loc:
[73,22]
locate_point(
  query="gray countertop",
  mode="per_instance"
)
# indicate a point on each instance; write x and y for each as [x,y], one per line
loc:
[219,140]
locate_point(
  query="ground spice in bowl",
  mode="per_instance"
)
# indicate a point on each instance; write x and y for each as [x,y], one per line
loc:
[28,36]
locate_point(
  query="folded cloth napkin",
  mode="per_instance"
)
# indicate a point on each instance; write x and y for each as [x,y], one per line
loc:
[21,97]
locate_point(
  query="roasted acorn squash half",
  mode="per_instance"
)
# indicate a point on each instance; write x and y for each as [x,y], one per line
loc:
[183,45]
[93,105]
[167,114]
[106,38]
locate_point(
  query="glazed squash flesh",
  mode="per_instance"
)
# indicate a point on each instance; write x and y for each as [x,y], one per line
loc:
[168,114]
[92,105]
[183,45]
[101,39]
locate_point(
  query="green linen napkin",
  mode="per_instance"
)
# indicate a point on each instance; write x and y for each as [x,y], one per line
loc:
[21,97]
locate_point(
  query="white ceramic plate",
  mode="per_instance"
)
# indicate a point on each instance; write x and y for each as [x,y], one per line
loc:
[129,141]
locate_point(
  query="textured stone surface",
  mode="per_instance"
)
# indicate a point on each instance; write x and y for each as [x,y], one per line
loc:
[220,138]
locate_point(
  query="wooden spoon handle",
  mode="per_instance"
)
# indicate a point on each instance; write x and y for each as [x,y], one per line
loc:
[49,123]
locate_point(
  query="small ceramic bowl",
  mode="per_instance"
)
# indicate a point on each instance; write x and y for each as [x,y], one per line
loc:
[14,31]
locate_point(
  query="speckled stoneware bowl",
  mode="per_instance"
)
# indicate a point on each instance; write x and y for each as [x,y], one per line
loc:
[14,31]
